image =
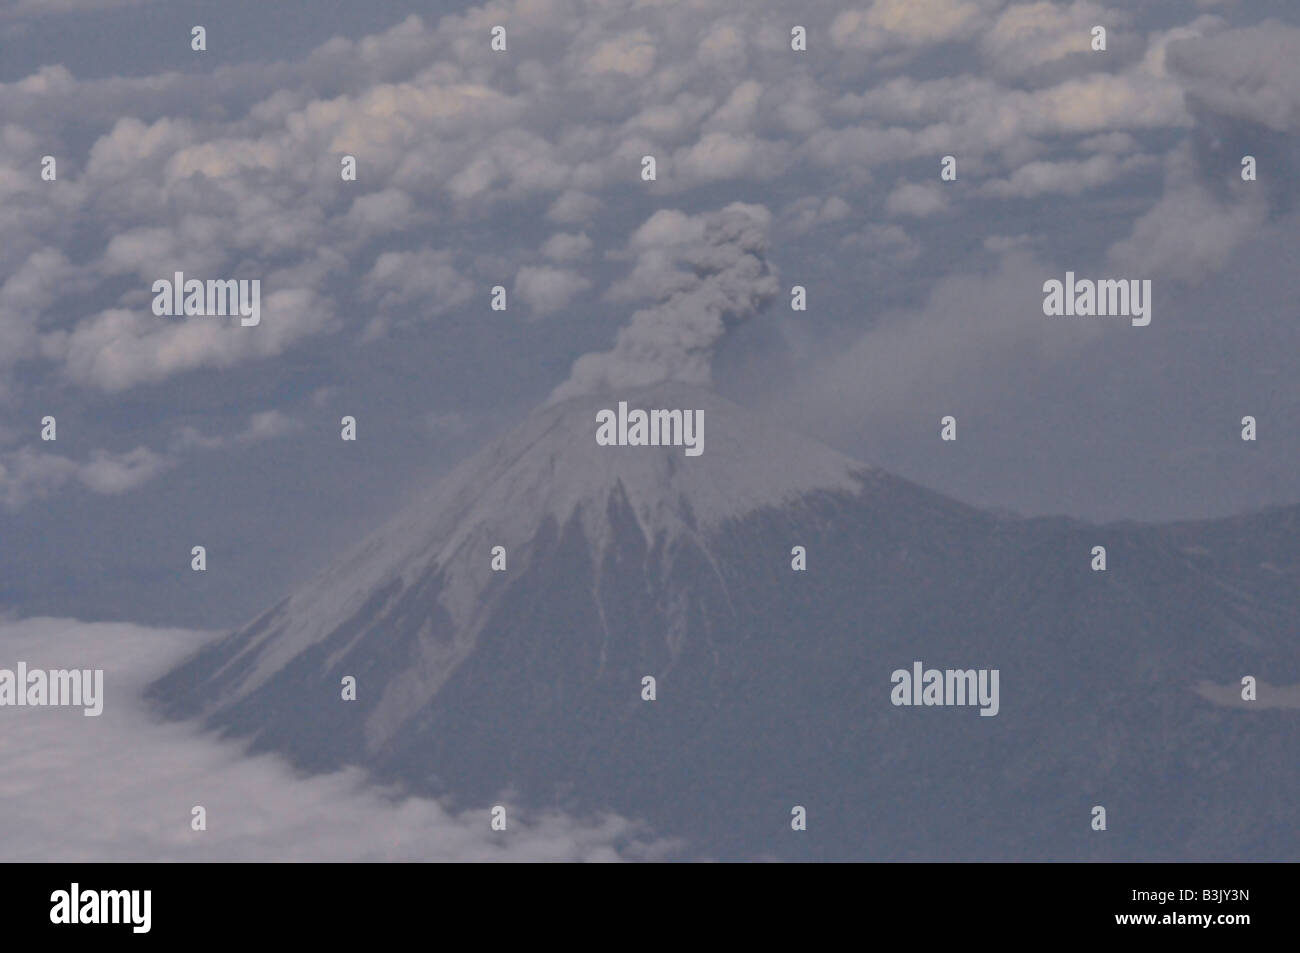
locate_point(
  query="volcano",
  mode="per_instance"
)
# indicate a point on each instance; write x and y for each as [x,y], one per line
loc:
[1119,688]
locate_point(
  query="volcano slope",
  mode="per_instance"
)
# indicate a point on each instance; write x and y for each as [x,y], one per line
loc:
[1119,688]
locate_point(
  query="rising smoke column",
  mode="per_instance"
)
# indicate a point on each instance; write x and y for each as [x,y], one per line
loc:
[705,273]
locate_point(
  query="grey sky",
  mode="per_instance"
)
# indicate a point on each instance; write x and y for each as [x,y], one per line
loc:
[522,169]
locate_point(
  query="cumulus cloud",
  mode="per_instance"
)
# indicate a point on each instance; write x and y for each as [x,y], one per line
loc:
[120,787]
[414,286]
[1251,72]
[546,289]
[390,210]
[705,273]
[721,156]
[573,208]
[630,54]
[262,425]
[810,212]
[566,247]
[908,24]
[1243,88]
[28,474]
[466,161]
[884,245]
[1190,232]
[916,201]
[1026,36]
[266,425]
[254,187]
[111,473]
[1065,177]
[33,286]
[904,117]
[119,348]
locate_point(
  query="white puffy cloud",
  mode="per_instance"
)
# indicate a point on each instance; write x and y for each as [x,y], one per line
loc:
[546,289]
[1190,232]
[884,245]
[916,201]
[444,134]
[413,286]
[118,349]
[887,24]
[28,474]
[262,425]
[1243,87]
[573,208]
[1066,177]
[566,247]
[1251,73]
[386,211]
[268,424]
[809,212]
[630,54]
[119,472]
[1027,35]
[30,289]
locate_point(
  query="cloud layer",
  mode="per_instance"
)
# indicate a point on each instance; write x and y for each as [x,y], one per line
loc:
[120,787]
[443,130]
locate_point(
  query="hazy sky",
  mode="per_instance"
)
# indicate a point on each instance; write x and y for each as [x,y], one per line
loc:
[522,169]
